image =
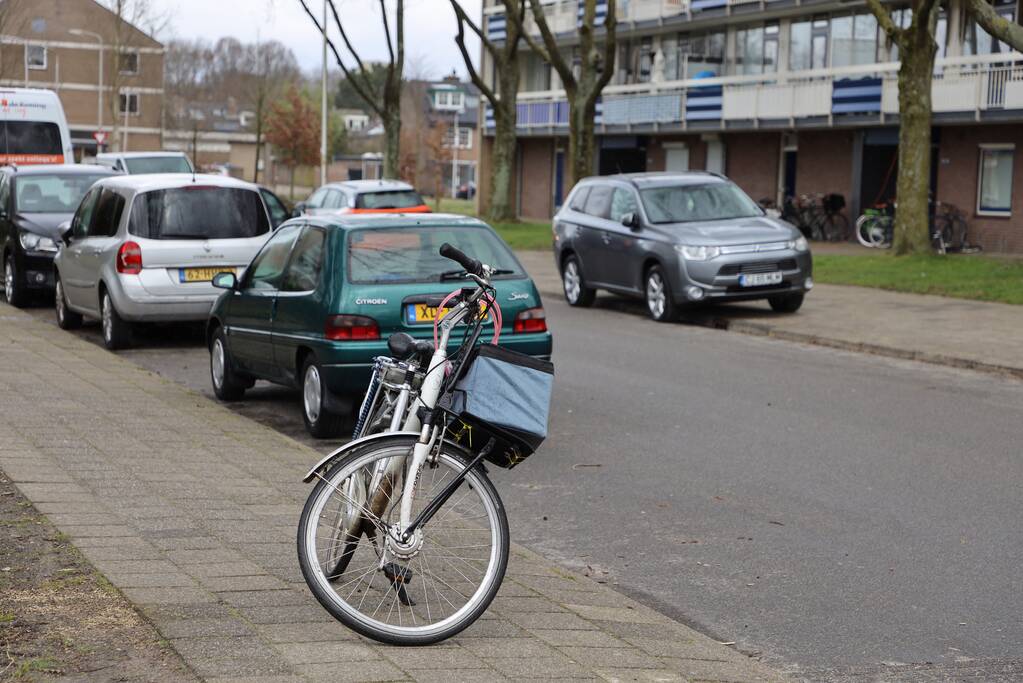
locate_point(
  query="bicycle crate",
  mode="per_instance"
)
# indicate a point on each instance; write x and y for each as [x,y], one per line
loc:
[833,203]
[505,395]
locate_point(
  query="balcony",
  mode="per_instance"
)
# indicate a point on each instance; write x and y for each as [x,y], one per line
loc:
[565,16]
[964,89]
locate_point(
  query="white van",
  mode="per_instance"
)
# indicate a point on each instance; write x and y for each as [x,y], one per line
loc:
[136,163]
[33,129]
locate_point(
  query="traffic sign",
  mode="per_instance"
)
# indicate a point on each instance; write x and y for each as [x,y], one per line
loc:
[100,136]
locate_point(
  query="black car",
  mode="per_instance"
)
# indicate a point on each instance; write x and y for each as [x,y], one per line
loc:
[34,201]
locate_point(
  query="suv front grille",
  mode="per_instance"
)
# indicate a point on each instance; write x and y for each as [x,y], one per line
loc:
[758,267]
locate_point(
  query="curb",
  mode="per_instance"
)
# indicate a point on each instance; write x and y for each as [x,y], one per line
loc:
[764,330]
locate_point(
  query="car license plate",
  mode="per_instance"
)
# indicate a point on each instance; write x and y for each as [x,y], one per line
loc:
[760,279]
[201,274]
[422,313]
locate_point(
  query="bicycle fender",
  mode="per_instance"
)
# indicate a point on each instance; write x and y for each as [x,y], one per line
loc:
[351,445]
[324,464]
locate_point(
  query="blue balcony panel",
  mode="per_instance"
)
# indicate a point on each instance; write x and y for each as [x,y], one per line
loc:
[856,95]
[699,5]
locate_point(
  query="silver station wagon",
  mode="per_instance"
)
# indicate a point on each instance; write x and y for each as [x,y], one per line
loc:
[144,249]
[676,239]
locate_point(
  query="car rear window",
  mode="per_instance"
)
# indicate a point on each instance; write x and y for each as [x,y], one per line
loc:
[198,212]
[30,137]
[394,199]
[158,165]
[52,193]
[396,255]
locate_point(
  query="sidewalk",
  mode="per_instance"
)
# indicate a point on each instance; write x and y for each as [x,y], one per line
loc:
[956,332]
[190,511]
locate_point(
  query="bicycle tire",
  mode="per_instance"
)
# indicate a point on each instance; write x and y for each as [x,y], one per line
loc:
[381,627]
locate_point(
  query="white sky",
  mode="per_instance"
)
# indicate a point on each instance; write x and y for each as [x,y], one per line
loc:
[430,28]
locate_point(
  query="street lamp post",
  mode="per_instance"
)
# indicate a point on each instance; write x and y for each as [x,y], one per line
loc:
[323,95]
[99,95]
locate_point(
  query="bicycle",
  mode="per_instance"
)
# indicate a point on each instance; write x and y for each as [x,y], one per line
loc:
[404,538]
[875,228]
[821,217]
[947,228]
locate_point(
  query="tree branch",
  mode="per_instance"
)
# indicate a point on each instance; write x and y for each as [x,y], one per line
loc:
[551,53]
[474,76]
[995,24]
[367,85]
[368,98]
[387,31]
[884,20]
[610,45]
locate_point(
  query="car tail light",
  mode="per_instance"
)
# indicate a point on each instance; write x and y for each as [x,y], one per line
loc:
[531,320]
[129,259]
[340,327]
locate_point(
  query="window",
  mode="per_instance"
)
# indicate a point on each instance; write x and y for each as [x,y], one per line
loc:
[35,56]
[278,212]
[306,262]
[31,137]
[808,44]
[853,40]
[994,185]
[390,199]
[130,103]
[448,99]
[579,198]
[756,49]
[624,202]
[693,54]
[57,193]
[265,270]
[317,198]
[464,138]
[108,214]
[599,201]
[128,63]
[334,200]
[199,212]
[158,164]
[709,202]
[83,217]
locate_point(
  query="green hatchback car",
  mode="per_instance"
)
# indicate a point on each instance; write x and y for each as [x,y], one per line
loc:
[319,300]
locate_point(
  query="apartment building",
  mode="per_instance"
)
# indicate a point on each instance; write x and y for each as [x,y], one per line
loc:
[457,104]
[61,45]
[787,97]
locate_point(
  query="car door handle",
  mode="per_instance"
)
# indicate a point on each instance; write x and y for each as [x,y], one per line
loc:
[606,237]
[95,252]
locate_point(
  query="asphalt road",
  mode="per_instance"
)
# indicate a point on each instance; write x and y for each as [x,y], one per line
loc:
[841,514]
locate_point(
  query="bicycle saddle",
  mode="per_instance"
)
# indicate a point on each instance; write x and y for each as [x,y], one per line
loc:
[403,346]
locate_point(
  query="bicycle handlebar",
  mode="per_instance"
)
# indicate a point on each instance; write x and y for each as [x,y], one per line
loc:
[470,264]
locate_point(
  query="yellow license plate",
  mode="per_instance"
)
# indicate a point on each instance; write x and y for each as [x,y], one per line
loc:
[201,274]
[423,313]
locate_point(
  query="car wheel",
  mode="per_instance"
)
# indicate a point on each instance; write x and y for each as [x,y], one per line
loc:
[227,385]
[116,331]
[786,303]
[576,291]
[659,301]
[14,290]
[319,421]
[66,318]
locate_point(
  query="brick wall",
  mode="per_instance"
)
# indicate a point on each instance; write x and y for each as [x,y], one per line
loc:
[537,177]
[751,160]
[958,162]
[824,163]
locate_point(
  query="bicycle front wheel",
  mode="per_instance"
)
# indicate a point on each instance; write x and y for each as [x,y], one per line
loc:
[836,227]
[414,593]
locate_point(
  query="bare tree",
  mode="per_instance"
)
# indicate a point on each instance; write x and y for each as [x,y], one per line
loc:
[595,67]
[1005,30]
[132,21]
[917,48]
[272,65]
[384,101]
[501,97]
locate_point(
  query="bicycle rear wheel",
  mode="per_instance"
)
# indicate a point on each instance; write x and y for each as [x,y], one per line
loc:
[412,594]
[836,227]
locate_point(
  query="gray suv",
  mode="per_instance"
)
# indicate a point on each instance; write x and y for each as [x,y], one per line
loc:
[675,239]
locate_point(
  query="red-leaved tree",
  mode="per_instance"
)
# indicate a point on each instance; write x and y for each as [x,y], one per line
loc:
[293,128]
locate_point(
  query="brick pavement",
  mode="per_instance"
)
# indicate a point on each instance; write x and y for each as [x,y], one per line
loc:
[190,511]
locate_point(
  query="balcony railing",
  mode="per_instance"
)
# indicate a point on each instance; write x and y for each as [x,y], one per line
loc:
[565,16]
[970,86]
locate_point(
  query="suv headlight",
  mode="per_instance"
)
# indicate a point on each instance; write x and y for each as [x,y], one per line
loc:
[694,252]
[799,244]
[33,242]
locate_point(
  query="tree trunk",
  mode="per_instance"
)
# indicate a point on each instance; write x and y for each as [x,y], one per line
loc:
[581,139]
[502,166]
[291,192]
[392,144]
[259,141]
[912,231]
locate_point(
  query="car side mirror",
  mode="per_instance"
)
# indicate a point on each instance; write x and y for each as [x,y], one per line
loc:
[64,229]
[225,281]
[298,210]
[631,221]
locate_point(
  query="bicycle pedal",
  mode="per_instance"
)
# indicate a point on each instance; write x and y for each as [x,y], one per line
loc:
[399,578]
